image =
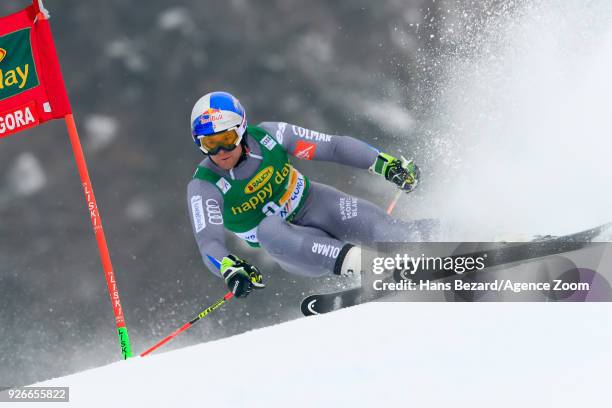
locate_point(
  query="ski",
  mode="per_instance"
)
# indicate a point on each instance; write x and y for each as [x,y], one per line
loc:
[515,252]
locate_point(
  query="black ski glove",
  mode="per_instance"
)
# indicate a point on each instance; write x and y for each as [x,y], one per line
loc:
[240,276]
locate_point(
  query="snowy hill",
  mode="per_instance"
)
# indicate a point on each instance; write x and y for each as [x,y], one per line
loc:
[383,354]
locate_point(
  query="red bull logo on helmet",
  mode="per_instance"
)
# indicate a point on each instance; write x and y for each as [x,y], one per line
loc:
[211,115]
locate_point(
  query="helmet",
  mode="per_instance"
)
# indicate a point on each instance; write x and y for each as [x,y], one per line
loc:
[218,122]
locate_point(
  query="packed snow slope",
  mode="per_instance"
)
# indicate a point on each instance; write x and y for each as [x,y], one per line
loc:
[379,354]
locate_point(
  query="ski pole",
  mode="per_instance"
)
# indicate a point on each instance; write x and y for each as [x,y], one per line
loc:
[225,298]
[394,201]
[187,325]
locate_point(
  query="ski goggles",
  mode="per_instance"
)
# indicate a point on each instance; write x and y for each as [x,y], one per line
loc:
[226,140]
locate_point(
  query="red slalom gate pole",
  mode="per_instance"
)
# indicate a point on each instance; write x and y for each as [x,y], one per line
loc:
[187,325]
[96,221]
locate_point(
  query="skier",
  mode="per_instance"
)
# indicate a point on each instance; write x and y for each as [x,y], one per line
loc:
[247,185]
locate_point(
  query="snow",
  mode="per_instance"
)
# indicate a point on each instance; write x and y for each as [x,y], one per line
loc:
[129,53]
[379,354]
[101,131]
[27,176]
[389,116]
[175,18]
[525,104]
[317,46]
[139,209]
